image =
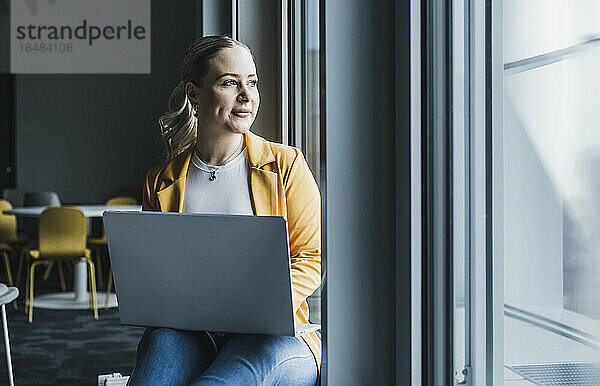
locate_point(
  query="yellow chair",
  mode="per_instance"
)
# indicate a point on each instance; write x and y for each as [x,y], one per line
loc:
[97,244]
[9,242]
[121,201]
[62,236]
[8,237]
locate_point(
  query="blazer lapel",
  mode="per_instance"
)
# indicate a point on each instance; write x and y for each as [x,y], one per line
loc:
[171,197]
[172,184]
[263,183]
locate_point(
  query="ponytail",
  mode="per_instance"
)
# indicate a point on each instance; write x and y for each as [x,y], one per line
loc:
[178,125]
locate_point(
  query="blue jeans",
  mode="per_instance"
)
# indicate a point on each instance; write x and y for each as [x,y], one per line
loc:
[173,357]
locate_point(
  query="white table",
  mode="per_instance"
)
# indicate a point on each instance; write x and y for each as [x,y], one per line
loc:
[79,299]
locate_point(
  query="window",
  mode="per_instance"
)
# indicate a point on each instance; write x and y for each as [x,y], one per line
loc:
[304,93]
[551,193]
[526,145]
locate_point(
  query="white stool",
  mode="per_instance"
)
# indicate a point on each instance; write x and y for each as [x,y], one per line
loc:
[114,379]
[7,295]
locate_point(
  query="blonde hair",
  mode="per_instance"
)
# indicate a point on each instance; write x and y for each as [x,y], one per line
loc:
[178,125]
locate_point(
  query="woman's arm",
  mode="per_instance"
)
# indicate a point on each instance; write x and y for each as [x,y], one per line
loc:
[304,227]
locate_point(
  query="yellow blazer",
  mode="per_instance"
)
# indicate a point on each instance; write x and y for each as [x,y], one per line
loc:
[281,184]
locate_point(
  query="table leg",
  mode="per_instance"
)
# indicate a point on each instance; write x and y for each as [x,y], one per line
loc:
[80,282]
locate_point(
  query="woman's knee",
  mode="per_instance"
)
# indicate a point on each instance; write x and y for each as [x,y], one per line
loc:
[271,348]
[158,337]
[262,359]
[167,356]
[169,340]
[163,335]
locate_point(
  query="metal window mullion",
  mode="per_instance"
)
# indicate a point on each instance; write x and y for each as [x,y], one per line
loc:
[291,68]
[293,74]
[486,191]
[323,188]
[489,215]
[437,195]
[234,19]
[461,185]
[481,345]
[416,192]
[468,180]
[284,79]
[298,75]
[495,207]
[304,76]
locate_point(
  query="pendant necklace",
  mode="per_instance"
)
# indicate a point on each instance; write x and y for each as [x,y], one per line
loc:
[214,169]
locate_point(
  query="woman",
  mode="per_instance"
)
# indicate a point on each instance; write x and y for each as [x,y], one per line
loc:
[216,165]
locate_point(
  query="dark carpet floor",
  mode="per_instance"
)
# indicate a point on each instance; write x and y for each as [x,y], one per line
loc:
[66,347]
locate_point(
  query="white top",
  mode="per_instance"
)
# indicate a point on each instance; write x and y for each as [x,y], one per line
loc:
[228,193]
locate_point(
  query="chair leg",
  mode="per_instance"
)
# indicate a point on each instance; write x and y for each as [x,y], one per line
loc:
[48,270]
[20,267]
[7,268]
[27,280]
[31,282]
[89,278]
[98,265]
[93,280]
[108,288]
[9,274]
[61,275]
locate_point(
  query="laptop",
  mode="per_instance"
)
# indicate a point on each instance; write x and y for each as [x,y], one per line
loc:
[203,272]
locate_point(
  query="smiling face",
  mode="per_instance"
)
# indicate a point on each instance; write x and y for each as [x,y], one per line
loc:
[228,98]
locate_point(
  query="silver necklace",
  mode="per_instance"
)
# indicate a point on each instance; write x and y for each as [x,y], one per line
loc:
[214,169]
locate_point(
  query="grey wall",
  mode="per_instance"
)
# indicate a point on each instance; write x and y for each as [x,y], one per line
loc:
[367,153]
[89,137]
[258,28]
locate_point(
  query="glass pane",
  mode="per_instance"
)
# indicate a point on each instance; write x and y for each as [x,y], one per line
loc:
[551,192]
[311,135]
[311,118]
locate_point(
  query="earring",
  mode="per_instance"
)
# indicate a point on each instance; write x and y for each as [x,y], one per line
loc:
[196,111]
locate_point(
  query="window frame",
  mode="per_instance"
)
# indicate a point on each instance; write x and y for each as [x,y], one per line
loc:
[479,186]
[483,237]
